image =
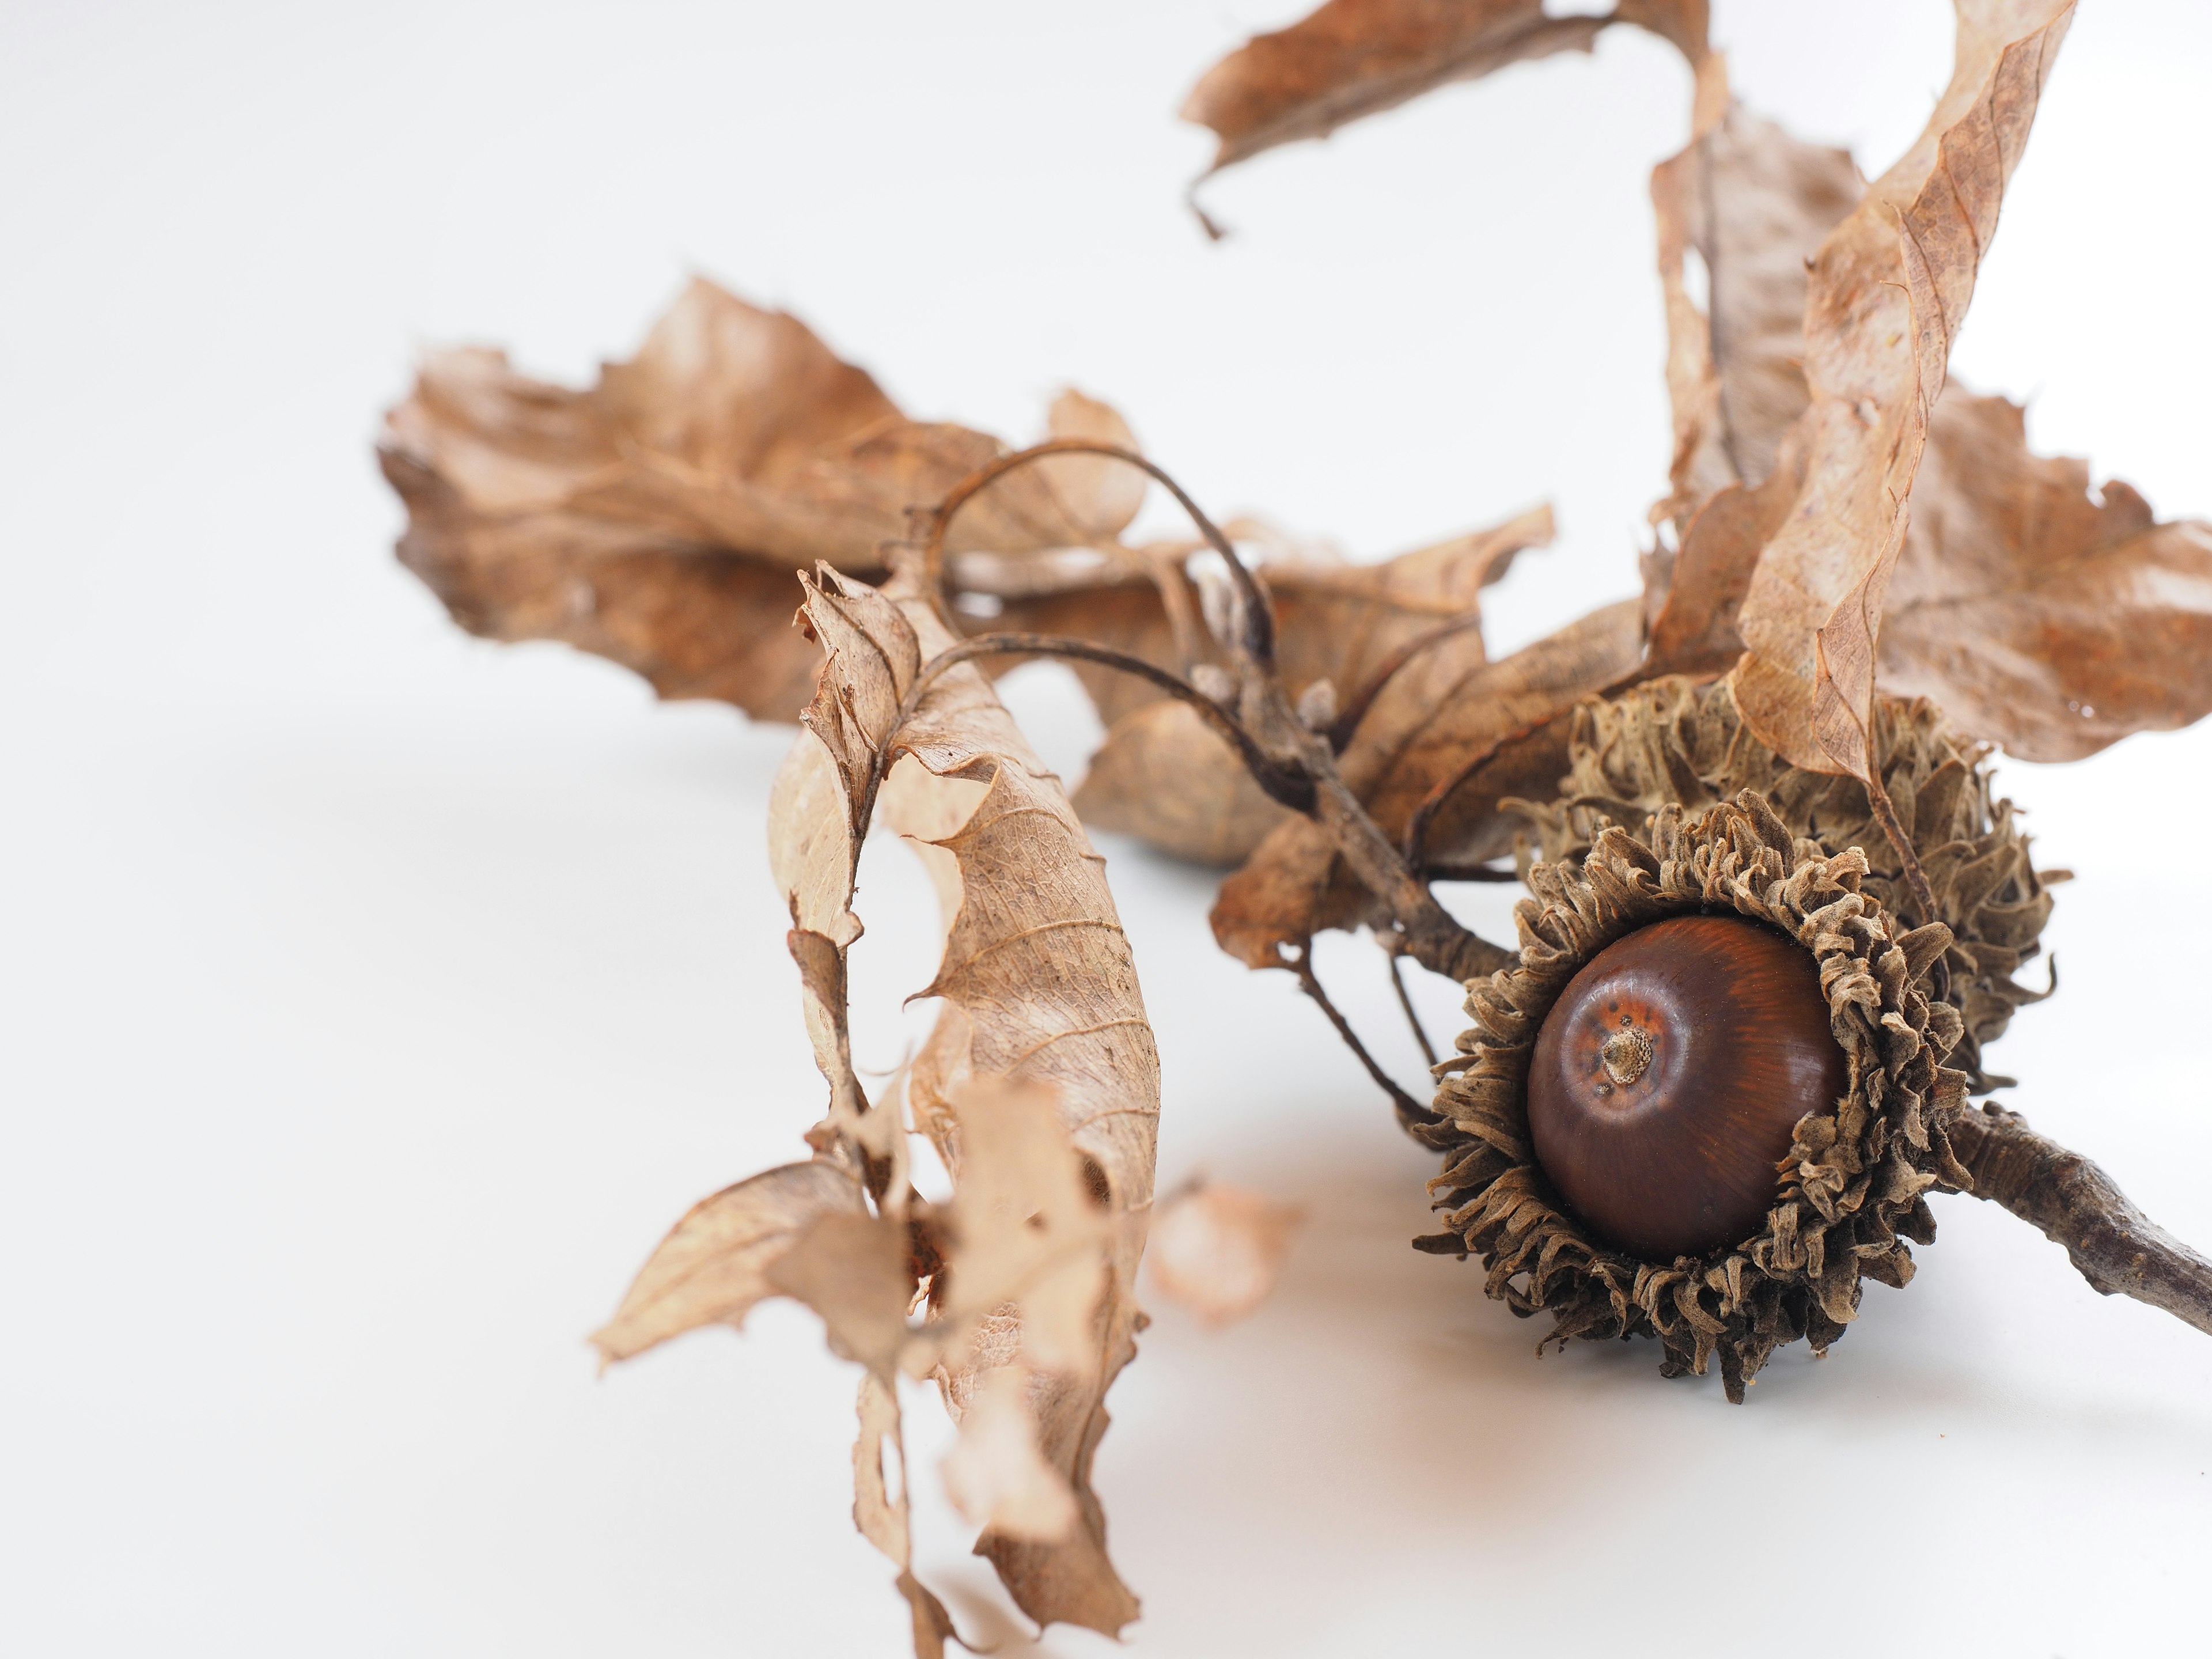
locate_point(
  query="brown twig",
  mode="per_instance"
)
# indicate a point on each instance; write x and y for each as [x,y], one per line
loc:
[1258,633]
[2072,1202]
[1406,1003]
[1292,788]
[1885,814]
[1268,733]
[1427,932]
[1450,872]
[1411,1113]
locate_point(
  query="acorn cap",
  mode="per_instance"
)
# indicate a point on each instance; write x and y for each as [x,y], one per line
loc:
[1681,741]
[1852,1186]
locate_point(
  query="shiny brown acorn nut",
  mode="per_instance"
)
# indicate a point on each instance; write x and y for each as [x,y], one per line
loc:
[1666,1081]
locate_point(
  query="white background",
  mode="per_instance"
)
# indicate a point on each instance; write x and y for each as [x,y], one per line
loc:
[374,997]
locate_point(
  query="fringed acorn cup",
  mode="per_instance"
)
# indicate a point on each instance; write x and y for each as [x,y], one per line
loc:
[1711,1096]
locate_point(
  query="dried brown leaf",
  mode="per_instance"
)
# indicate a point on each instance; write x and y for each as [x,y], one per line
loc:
[1346,623]
[1039,990]
[1132,611]
[657,518]
[2039,617]
[1041,1086]
[882,1519]
[1886,295]
[1445,709]
[1099,495]
[855,1271]
[1695,630]
[1164,775]
[1292,887]
[1355,57]
[1023,1339]
[717,1263]
[2047,621]
[1753,205]
[817,817]
[1219,1250]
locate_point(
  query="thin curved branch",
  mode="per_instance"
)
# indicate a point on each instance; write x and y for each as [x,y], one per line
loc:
[1448,871]
[1411,1114]
[1405,1004]
[1885,814]
[2115,1246]
[1259,640]
[1293,764]
[1292,789]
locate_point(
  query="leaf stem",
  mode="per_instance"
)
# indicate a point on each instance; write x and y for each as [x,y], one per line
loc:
[1294,764]
[1258,639]
[1885,814]
[1292,788]
[1411,1114]
[1406,1003]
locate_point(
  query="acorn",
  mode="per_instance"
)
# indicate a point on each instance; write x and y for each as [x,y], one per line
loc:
[1681,740]
[1707,1101]
[1667,1080]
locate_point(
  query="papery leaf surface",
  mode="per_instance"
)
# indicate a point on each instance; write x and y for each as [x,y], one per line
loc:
[1041,997]
[1886,295]
[714,1265]
[1351,58]
[657,517]
[1451,725]
[2049,620]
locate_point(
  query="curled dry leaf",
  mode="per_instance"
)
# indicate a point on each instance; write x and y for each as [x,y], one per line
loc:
[1020,1312]
[1701,589]
[1040,1087]
[657,518]
[1219,1250]
[1040,988]
[1442,712]
[858,1273]
[2047,621]
[1349,624]
[1751,205]
[715,1263]
[1028,1228]
[2044,620]
[1886,295]
[1021,1321]
[1356,58]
